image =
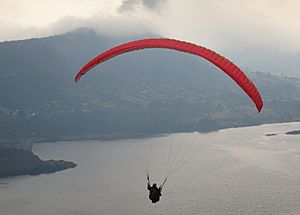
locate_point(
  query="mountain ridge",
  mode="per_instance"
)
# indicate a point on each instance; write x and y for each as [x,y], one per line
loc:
[162,90]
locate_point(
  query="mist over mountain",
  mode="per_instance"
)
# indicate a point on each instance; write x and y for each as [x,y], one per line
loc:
[269,61]
[136,94]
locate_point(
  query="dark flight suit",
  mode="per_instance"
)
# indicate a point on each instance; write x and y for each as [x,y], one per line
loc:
[154,193]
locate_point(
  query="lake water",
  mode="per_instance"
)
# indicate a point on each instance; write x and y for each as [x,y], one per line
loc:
[232,171]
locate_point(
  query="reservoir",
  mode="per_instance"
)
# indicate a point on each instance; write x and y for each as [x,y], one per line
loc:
[231,171]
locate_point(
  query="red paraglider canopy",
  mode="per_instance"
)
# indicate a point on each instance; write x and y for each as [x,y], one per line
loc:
[224,64]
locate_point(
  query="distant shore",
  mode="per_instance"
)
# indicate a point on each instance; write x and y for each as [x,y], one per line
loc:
[16,162]
[294,132]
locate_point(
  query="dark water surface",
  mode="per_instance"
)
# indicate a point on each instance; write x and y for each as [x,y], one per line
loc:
[233,171]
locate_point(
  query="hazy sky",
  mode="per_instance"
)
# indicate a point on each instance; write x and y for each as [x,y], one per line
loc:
[218,24]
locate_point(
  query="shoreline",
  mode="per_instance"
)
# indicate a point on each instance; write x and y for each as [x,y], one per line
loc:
[19,162]
[164,134]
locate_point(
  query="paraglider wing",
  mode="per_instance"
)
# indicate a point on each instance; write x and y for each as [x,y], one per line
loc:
[224,64]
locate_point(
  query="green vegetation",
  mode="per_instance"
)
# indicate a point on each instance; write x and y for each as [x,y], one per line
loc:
[144,93]
[15,162]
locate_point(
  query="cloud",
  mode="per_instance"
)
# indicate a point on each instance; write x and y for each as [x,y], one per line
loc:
[153,4]
[108,25]
[131,5]
[233,24]
[105,25]
[128,5]
[220,25]
[16,32]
